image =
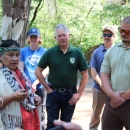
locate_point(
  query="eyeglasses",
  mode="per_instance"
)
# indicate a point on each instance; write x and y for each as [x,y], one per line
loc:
[126,32]
[107,35]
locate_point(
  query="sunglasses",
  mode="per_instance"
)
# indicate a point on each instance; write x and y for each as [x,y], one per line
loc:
[126,32]
[107,35]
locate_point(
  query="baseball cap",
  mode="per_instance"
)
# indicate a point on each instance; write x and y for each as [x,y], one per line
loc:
[34,31]
[109,28]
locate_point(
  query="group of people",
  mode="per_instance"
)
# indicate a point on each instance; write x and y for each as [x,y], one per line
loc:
[110,69]
[108,35]
[34,77]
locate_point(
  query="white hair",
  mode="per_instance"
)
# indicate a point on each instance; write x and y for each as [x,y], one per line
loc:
[61,26]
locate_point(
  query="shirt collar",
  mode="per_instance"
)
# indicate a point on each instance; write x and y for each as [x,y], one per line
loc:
[69,49]
[103,48]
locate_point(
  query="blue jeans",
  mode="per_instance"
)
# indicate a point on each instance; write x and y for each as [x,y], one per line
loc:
[58,103]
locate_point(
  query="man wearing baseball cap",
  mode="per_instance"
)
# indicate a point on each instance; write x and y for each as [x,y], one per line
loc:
[109,28]
[108,35]
[29,59]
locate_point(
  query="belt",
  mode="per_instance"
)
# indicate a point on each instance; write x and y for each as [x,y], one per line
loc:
[63,89]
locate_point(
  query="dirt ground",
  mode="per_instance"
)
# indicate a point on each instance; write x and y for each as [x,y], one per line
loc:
[83,109]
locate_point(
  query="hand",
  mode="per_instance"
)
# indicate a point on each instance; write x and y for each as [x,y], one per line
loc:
[49,90]
[75,98]
[38,100]
[67,125]
[113,105]
[19,95]
[34,86]
[116,99]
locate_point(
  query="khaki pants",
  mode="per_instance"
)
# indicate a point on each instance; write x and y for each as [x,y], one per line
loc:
[97,106]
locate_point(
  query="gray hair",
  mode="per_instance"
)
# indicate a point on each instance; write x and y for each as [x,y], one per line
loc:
[61,26]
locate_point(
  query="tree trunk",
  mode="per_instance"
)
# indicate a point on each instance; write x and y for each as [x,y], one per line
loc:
[18,9]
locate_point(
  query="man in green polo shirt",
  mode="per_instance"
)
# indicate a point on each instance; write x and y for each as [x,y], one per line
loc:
[115,77]
[63,61]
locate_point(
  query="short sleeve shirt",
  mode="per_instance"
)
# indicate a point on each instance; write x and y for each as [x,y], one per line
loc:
[30,58]
[117,63]
[96,61]
[63,67]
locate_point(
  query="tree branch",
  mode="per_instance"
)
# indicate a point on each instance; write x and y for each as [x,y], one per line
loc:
[85,23]
[35,12]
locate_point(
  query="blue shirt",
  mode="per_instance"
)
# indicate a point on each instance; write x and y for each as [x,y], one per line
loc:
[31,58]
[96,61]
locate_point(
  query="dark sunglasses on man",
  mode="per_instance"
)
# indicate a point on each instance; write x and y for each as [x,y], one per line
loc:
[126,32]
[107,35]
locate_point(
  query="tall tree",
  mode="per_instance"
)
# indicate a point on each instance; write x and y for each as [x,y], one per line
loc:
[18,9]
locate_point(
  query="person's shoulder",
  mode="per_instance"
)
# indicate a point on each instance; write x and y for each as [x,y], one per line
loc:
[43,48]
[25,48]
[115,46]
[98,48]
[55,48]
[51,50]
[112,50]
[75,49]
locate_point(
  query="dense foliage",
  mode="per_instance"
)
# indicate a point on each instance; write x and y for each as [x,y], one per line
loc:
[85,19]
